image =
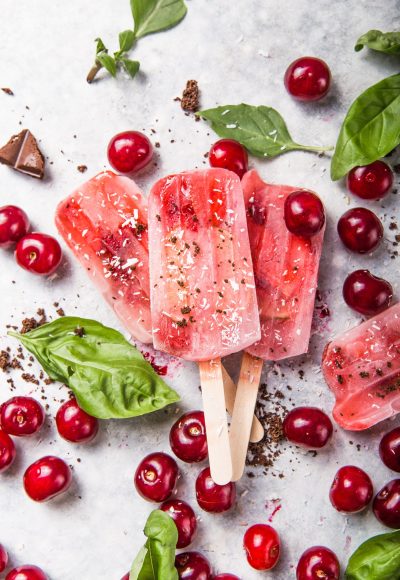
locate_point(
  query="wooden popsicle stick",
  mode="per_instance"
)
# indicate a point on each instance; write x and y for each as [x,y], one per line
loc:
[219,450]
[242,417]
[257,430]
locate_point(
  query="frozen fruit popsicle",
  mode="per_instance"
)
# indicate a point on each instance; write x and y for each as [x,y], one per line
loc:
[362,369]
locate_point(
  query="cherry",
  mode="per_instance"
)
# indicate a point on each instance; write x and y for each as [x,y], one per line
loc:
[156,477]
[212,497]
[38,253]
[74,424]
[386,504]
[389,449]
[27,572]
[129,151]
[226,577]
[188,437]
[184,518]
[360,230]
[14,225]
[372,181]
[308,79]
[192,566]
[316,563]
[21,416]
[126,577]
[308,427]
[7,452]
[351,490]
[3,558]
[304,213]
[229,154]
[366,293]
[46,478]
[262,546]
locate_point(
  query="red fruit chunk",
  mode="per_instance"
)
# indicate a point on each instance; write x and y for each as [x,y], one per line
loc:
[308,79]
[360,230]
[318,563]
[46,478]
[212,497]
[366,293]
[38,253]
[129,151]
[351,490]
[7,452]
[74,424]
[14,225]
[156,477]
[192,566]
[262,546]
[27,572]
[188,437]
[184,518]
[389,449]
[229,154]
[308,427]
[20,416]
[386,504]
[3,558]
[372,181]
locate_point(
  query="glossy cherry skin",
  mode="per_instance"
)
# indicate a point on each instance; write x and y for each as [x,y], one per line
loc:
[372,181]
[27,572]
[366,293]
[308,427]
[126,577]
[360,230]
[188,437]
[192,566]
[38,253]
[308,79]
[184,518]
[386,504]
[129,151]
[389,449]
[46,478]
[316,563]
[212,497]
[156,477]
[351,490]
[229,154]
[304,213]
[7,451]
[20,416]
[74,424]
[226,577]
[14,225]
[262,545]
[3,558]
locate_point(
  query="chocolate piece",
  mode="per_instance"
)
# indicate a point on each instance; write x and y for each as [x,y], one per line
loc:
[190,97]
[22,153]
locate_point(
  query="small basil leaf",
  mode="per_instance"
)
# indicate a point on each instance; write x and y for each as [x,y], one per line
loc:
[387,42]
[131,66]
[126,40]
[108,375]
[108,62]
[156,15]
[371,128]
[100,46]
[376,559]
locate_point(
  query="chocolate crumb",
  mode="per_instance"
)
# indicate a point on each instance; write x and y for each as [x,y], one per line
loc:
[4,360]
[29,378]
[79,331]
[60,312]
[191,97]
[82,168]
[8,91]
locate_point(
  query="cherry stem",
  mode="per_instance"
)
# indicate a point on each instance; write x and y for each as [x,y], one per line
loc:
[93,71]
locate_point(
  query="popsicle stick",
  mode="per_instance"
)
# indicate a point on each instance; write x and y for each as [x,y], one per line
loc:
[257,430]
[219,451]
[242,417]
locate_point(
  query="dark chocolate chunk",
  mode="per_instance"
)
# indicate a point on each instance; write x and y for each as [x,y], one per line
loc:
[22,153]
[191,96]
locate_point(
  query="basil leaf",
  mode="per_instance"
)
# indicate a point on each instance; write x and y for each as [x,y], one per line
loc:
[387,42]
[131,66]
[100,46]
[108,62]
[126,40]
[261,130]
[155,15]
[376,559]
[371,128]
[108,375]
[156,560]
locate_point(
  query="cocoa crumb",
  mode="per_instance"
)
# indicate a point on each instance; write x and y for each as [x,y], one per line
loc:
[28,324]
[392,226]
[29,378]
[8,91]
[60,312]
[79,331]
[82,168]
[191,97]
[4,360]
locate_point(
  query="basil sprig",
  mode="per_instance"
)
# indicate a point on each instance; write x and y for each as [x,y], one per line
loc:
[387,42]
[108,375]
[376,559]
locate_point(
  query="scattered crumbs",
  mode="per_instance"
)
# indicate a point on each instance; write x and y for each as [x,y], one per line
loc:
[82,168]
[29,378]
[191,97]
[8,91]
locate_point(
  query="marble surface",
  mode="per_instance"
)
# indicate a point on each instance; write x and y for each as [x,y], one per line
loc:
[238,51]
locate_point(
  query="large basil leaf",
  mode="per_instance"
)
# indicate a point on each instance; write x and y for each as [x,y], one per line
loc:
[155,15]
[376,559]
[156,560]
[108,375]
[371,128]
[261,130]
[387,42]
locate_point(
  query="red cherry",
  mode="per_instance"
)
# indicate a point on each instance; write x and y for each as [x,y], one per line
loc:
[20,416]
[7,453]
[156,477]
[14,225]
[212,497]
[3,558]
[308,427]
[129,151]
[304,213]
[366,293]
[360,230]
[184,518]
[192,566]
[351,490]
[126,577]
[38,253]
[188,437]
[27,572]
[46,478]
[74,424]
[262,546]
[386,504]
[308,79]
[372,181]
[389,449]
[316,563]
[226,577]
[229,154]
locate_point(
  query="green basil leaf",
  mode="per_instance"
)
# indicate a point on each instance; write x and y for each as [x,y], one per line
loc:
[376,559]
[131,66]
[156,560]
[108,62]
[126,40]
[371,128]
[108,375]
[261,130]
[387,42]
[100,46]
[156,15]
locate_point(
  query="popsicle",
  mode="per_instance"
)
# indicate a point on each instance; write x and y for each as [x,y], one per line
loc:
[362,369]
[203,298]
